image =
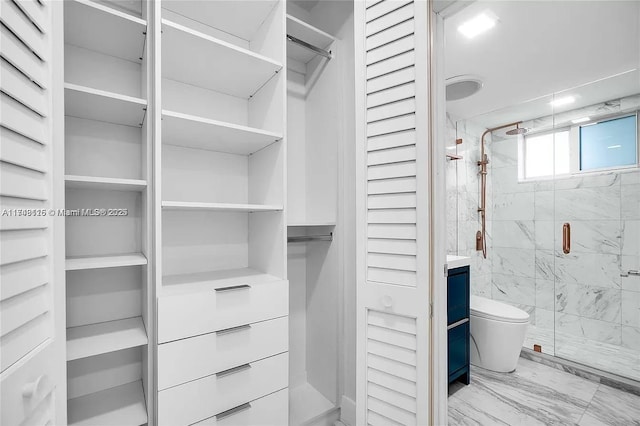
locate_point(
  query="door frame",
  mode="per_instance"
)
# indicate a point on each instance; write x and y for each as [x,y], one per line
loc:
[438,240]
[438,116]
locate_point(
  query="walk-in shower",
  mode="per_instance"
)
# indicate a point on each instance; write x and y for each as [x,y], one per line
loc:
[481,236]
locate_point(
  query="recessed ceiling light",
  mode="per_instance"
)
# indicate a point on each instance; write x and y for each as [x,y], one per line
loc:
[478,24]
[581,120]
[563,101]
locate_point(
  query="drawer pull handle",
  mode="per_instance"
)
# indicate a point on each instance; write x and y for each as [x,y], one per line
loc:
[233,370]
[32,389]
[233,411]
[457,323]
[235,287]
[233,329]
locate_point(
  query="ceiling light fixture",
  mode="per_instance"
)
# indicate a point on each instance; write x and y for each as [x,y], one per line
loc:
[562,101]
[614,147]
[581,120]
[478,24]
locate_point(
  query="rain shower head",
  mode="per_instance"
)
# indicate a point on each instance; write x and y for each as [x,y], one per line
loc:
[517,131]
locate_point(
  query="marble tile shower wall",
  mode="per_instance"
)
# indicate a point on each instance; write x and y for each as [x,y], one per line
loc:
[581,294]
[463,200]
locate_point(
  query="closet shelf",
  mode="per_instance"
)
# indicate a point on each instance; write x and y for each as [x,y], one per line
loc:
[309,34]
[197,132]
[115,184]
[221,207]
[122,405]
[310,224]
[95,339]
[242,19]
[100,28]
[202,281]
[201,60]
[94,104]
[110,261]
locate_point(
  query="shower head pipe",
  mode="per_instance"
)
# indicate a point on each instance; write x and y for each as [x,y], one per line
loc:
[482,163]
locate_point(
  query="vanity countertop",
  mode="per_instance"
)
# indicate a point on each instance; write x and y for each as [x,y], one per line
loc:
[457,261]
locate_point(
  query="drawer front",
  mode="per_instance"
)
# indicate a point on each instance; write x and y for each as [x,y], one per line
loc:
[271,410]
[204,398]
[458,347]
[189,359]
[193,314]
[26,390]
[457,295]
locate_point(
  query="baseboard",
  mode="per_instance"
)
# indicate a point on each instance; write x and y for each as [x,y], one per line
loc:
[328,418]
[348,411]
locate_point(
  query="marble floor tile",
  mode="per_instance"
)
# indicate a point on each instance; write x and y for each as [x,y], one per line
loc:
[536,394]
[612,407]
[533,395]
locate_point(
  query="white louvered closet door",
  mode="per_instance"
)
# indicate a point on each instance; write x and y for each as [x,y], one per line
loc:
[393,213]
[29,349]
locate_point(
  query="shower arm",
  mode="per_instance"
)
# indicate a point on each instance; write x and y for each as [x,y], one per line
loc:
[482,163]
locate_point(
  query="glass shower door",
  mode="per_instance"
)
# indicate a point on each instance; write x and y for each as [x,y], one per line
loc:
[596,234]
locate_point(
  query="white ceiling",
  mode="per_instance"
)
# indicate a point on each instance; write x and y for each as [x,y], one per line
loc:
[542,47]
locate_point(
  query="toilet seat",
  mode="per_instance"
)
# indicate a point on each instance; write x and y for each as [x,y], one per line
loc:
[497,311]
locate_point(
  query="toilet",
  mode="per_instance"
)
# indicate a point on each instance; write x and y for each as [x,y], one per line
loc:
[497,334]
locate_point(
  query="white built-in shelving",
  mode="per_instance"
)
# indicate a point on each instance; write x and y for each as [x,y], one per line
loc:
[220,207]
[108,174]
[95,339]
[220,155]
[205,61]
[100,105]
[311,224]
[243,19]
[116,184]
[76,263]
[122,405]
[198,132]
[100,28]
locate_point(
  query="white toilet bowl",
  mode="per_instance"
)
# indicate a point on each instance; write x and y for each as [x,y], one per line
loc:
[497,334]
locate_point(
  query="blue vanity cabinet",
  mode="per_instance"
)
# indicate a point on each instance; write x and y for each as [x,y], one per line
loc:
[458,295]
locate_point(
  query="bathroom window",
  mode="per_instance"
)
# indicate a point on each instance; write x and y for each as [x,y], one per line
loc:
[603,145]
[546,154]
[608,144]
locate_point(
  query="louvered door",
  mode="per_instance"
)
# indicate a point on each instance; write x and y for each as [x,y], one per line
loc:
[30,350]
[393,208]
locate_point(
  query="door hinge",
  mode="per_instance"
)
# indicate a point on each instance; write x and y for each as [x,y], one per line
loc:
[446,270]
[430,310]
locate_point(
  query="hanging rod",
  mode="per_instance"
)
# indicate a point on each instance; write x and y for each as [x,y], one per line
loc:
[306,238]
[321,52]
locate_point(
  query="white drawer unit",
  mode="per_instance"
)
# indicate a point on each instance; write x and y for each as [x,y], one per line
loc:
[214,352]
[270,410]
[212,395]
[192,314]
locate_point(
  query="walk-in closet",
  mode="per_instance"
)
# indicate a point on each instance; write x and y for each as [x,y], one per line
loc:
[316,88]
[194,165]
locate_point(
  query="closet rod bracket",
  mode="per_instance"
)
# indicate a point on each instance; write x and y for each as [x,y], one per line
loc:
[319,51]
